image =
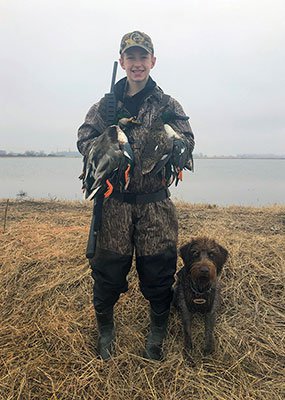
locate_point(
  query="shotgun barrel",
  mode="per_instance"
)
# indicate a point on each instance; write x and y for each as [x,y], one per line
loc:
[115,66]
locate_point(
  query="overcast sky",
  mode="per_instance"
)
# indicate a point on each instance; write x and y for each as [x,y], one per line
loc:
[223,60]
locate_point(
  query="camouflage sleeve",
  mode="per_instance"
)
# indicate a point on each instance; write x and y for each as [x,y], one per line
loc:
[92,127]
[182,126]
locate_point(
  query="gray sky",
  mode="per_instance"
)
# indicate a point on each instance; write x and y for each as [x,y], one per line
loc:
[222,60]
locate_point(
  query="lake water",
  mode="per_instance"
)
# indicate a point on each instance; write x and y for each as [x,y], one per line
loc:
[215,181]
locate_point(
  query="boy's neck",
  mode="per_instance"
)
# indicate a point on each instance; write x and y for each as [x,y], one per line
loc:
[135,87]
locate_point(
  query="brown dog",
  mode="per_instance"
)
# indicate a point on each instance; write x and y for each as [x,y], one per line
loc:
[197,288]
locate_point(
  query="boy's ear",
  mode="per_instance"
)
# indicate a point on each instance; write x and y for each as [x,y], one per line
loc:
[121,61]
[153,61]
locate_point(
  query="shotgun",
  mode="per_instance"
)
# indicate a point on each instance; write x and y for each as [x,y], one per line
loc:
[111,110]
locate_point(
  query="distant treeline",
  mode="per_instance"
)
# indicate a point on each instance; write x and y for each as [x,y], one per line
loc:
[31,153]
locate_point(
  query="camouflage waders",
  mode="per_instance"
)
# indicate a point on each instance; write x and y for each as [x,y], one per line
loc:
[150,232]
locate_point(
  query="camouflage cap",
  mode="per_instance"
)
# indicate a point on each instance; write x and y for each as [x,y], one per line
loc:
[138,39]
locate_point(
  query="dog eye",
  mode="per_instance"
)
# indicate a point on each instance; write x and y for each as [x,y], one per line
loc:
[211,254]
[195,254]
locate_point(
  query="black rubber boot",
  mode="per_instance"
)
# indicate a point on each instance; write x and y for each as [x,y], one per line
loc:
[106,330]
[158,329]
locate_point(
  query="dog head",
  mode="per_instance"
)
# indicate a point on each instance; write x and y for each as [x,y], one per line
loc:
[203,260]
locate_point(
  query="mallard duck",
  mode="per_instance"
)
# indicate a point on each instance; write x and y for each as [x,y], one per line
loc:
[158,148]
[110,154]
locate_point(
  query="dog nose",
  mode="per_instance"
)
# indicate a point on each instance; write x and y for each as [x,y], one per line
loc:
[204,270]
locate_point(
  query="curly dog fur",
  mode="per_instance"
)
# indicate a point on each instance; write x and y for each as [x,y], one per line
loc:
[197,289]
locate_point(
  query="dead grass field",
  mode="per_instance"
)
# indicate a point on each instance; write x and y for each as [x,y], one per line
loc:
[47,327]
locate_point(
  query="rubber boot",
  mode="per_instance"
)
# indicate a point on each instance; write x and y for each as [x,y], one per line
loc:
[158,329]
[106,330]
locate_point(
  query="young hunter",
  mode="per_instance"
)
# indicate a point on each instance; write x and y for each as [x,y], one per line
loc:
[140,220]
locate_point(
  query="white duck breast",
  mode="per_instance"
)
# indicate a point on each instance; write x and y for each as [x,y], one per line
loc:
[124,144]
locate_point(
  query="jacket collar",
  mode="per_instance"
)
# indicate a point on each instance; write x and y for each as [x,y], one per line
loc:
[150,89]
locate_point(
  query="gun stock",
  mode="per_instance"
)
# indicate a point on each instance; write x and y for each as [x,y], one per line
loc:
[91,244]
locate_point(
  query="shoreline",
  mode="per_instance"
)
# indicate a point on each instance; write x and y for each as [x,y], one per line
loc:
[195,158]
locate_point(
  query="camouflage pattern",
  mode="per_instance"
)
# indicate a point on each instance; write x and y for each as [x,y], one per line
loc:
[136,39]
[149,228]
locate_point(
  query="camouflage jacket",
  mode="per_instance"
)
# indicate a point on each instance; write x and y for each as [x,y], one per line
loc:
[149,110]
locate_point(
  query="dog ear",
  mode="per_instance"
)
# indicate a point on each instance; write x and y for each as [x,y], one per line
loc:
[185,252]
[222,258]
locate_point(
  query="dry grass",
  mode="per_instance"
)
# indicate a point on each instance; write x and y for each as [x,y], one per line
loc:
[47,328]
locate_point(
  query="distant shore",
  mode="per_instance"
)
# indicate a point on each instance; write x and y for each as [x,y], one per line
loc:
[257,157]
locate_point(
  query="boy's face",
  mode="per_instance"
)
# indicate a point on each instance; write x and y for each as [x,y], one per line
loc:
[137,63]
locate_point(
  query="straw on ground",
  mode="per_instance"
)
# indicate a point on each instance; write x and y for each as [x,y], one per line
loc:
[47,328]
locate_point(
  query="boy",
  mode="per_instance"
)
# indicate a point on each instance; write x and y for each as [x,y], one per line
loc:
[141,220]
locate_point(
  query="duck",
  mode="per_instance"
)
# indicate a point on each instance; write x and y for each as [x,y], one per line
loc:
[110,157]
[159,146]
[164,151]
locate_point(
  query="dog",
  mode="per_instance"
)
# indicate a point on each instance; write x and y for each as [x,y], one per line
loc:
[197,288]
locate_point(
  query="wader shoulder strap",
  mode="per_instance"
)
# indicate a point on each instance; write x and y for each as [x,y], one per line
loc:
[165,99]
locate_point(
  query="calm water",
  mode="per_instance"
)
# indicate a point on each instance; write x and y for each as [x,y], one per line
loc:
[215,181]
